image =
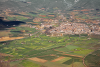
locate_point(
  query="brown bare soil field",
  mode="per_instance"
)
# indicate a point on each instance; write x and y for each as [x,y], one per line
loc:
[58,59]
[3,54]
[10,38]
[38,60]
[74,55]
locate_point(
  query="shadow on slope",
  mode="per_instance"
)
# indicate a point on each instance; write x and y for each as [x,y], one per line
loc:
[8,24]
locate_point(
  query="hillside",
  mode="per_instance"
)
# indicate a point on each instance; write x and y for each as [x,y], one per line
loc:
[92,4]
[49,5]
[28,5]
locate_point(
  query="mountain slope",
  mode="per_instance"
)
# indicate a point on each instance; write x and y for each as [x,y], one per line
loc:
[29,5]
[26,5]
[95,4]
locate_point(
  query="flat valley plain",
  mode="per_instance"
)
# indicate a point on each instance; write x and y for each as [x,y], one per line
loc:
[40,50]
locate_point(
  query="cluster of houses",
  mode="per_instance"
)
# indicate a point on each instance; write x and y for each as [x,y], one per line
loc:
[71,28]
[68,27]
[44,20]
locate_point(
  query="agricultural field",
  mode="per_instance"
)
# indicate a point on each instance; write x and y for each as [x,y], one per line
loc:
[39,50]
[50,48]
[21,31]
[25,63]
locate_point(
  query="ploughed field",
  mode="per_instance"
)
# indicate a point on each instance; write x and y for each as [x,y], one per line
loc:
[52,51]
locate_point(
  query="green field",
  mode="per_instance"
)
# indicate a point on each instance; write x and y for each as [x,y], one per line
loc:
[41,45]
[93,59]
[64,60]
[44,43]
[49,58]
[67,48]
[25,63]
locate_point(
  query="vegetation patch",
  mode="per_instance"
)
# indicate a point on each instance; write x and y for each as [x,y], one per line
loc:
[67,48]
[93,59]
[48,57]
[72,61]
[76,64]
[83,52]
[27,63]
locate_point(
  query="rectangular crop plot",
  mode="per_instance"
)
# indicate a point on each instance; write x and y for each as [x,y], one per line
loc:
[38,60]
[64,59]
[72,60]
[58,59]
[48,57]
[67,48]
[83,52]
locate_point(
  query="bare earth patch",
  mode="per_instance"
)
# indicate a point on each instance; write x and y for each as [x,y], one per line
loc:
[10,38]
[58,59]
[38,60]
[3,54]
